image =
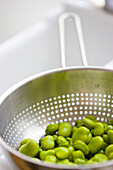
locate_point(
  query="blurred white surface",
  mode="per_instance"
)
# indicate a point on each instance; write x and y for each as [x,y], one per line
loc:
[30,52]
[36,47]
[17,15]
[6,162]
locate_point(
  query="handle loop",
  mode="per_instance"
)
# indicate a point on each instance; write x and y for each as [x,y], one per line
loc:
[77,22]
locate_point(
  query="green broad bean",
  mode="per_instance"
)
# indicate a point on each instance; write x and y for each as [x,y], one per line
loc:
[98,129]
[101,151]
[78,154]
[83,134]
[88,142]
[79,161]
[71,149]
[71,142]
[61,141]
[74,128]
[91,117]
[89,123]
[70,157]
[51,158]
[24,141]
[110,136]
[62,152]
[80,124]
[111,156]
[29,147]
[77,122]
[105,127]
[64,161]
[109,151]
[104,145]
[40,141]
[95,144]
[92,132]
[105,137]
[108,127]
[40,150]
[99,158]
[55,137]
[48,142]
[64,129]
[43,154]
[109,122]
[59,123]
[68,139]
[51,129]
[81,146]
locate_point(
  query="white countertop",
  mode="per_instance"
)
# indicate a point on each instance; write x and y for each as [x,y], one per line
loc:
[16,16]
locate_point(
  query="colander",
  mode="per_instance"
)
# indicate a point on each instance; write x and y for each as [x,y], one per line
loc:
[60,95]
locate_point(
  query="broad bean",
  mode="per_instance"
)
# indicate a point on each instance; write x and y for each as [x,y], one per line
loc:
[61,141]
[95,144]
[81,146]
[62,152]
[89,123]
[79,161]
[91,117]
[105,137]
[64,161]
[109,151]
[98,129]
[43,154]
[78,122]
[109,122]
[48,142]
[74,128]
[110,136]
[64,129]
[88,142]
[99,158]
[108,127]
[82,134]
[78,154]
[51,158]
[29,147]
[51,129]
[71,149]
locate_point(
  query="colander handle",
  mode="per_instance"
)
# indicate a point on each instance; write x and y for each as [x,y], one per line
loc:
[77,22]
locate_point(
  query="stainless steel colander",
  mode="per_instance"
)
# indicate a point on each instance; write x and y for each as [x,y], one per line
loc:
[64,94]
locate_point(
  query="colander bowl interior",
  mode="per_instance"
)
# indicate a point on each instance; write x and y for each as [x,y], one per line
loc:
[57,96]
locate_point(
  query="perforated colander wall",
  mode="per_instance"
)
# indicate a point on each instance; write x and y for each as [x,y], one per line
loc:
[32,121]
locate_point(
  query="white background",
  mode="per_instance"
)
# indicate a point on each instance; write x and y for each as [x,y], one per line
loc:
[17,15]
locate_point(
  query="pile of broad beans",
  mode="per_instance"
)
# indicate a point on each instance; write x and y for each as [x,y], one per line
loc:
[87,142]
